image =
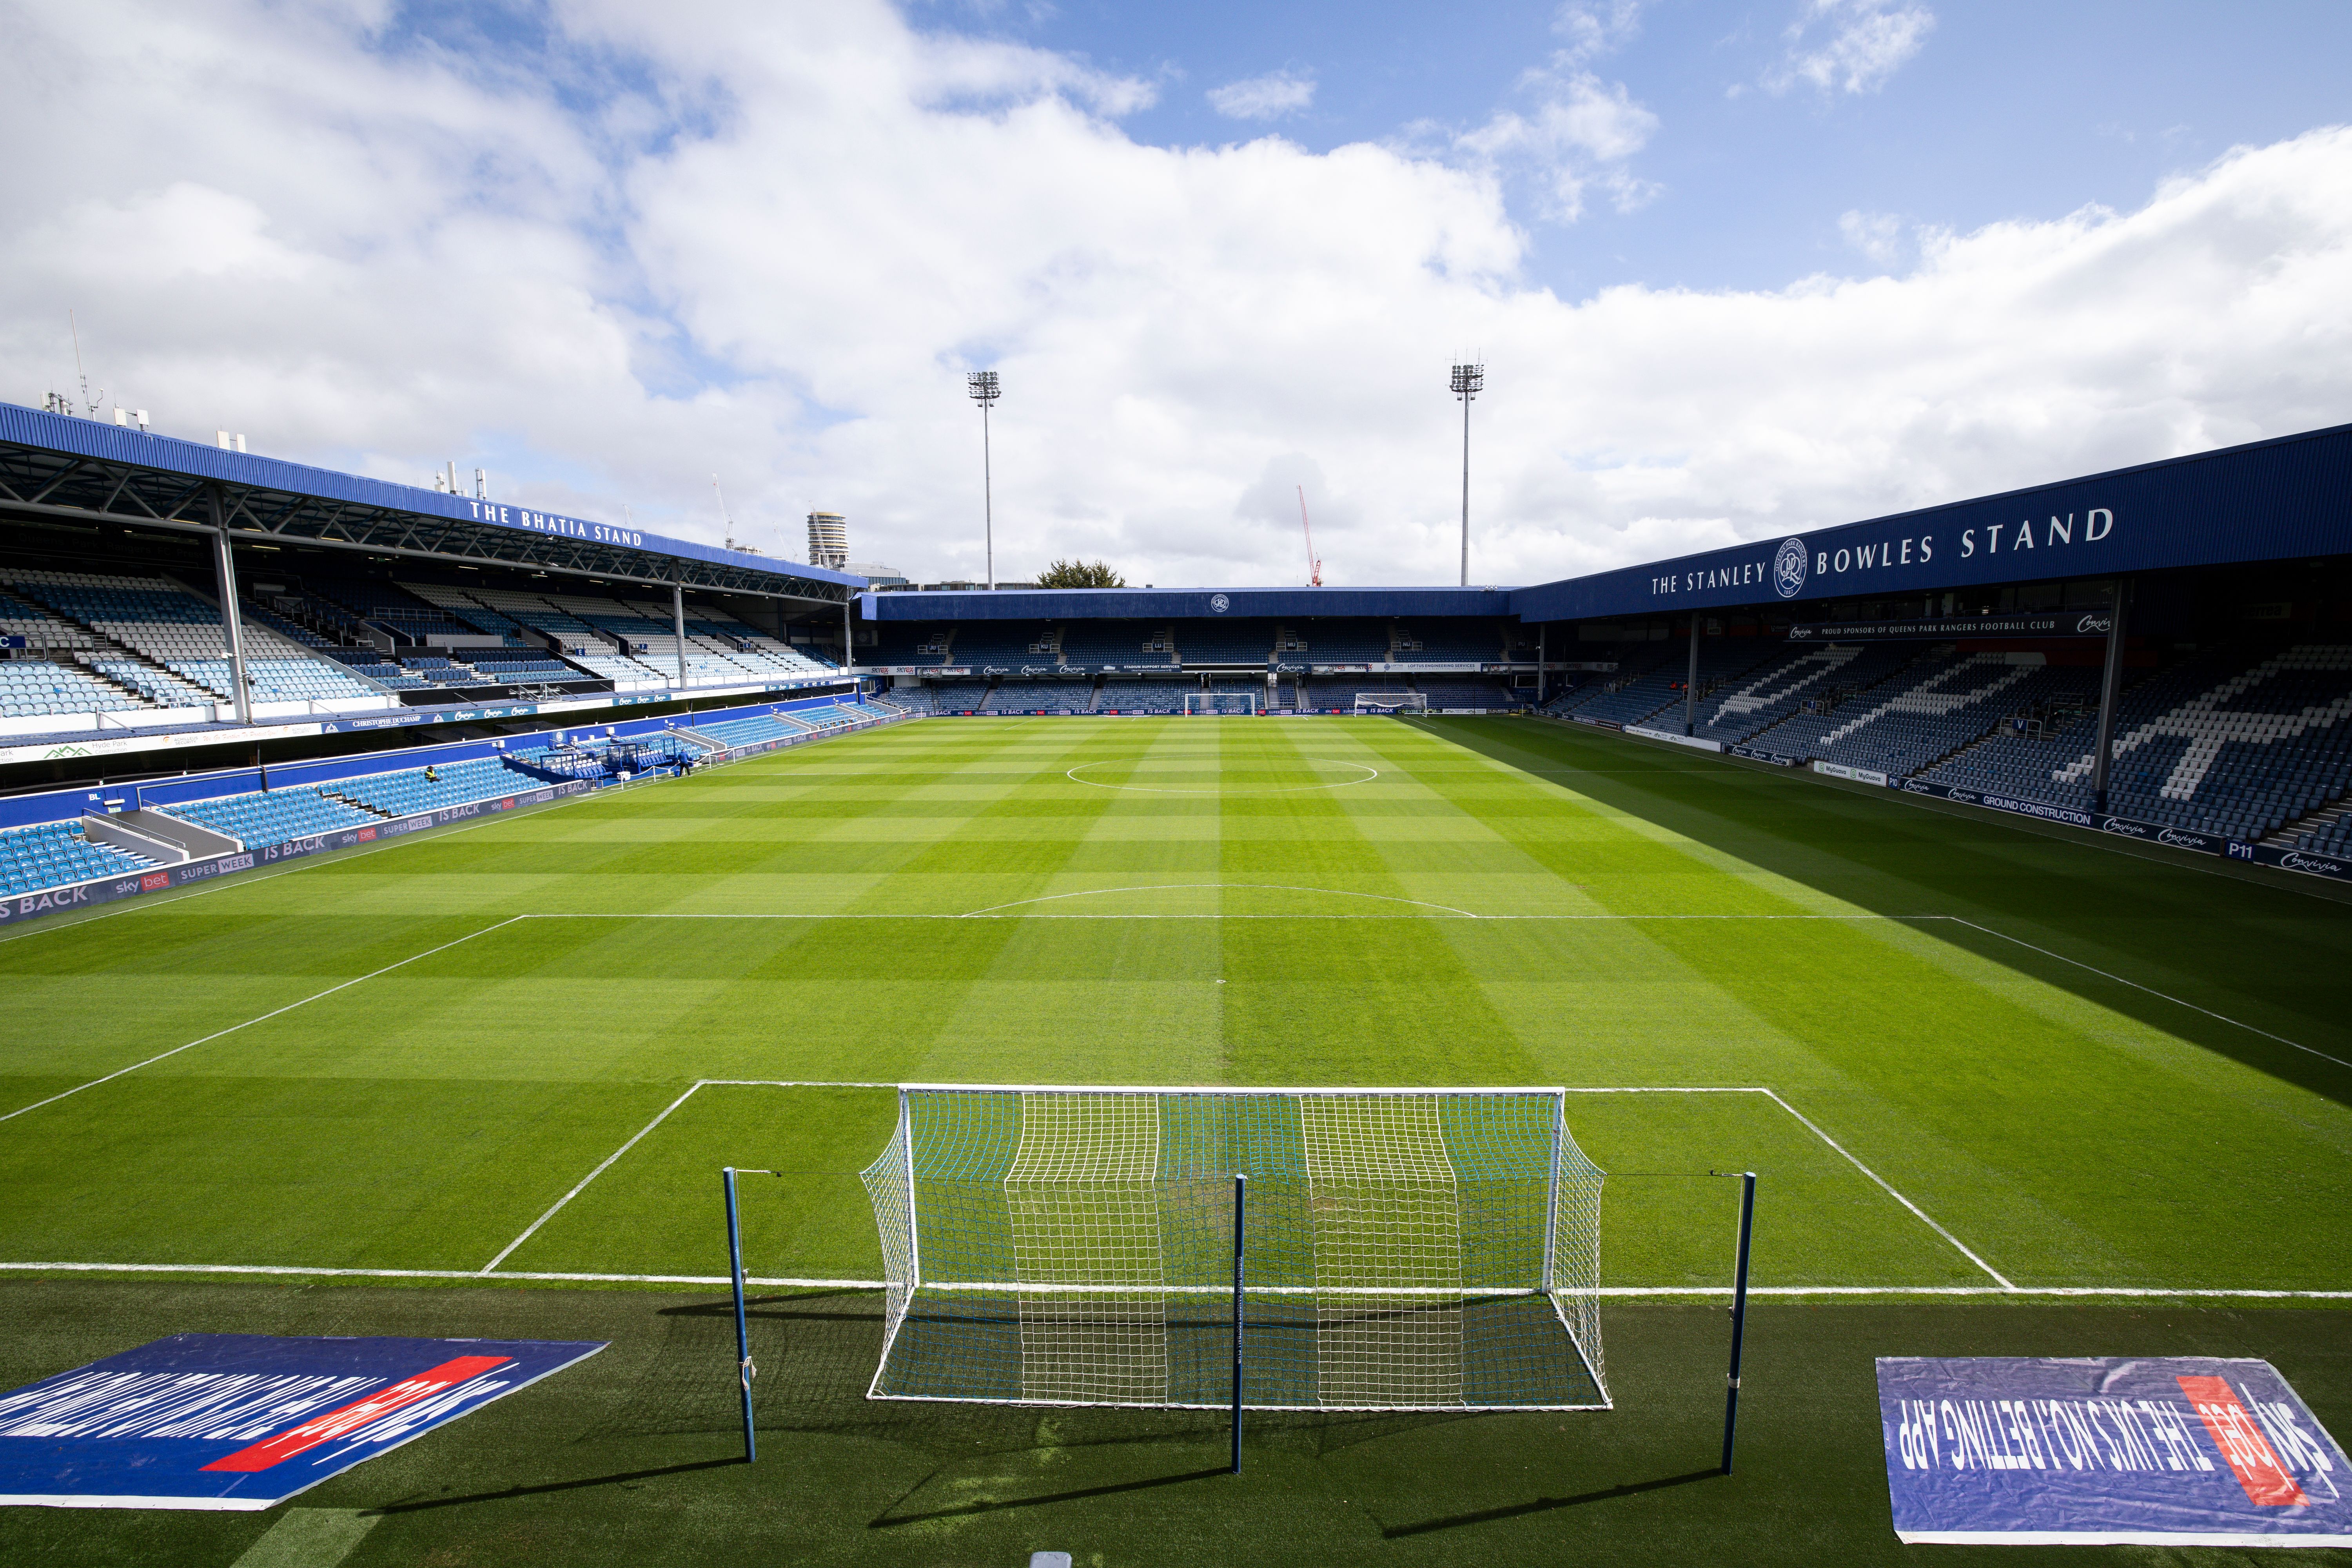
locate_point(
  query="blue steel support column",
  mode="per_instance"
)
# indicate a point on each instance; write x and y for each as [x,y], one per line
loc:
[1739,1314]
[1690,683]
[232,623]
[743,1330]
[2111,687]
[1241,1193]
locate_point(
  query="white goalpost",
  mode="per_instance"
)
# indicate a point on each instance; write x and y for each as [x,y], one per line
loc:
[1404,1250]
[1391,702]
[1221,702]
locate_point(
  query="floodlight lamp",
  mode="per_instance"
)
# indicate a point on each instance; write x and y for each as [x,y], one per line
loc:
[981,384]
[1469,380]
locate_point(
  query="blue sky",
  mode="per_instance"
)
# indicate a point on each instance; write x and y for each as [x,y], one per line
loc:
[1736,269]
[2008,110]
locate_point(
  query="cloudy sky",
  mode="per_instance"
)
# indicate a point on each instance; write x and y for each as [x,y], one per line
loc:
[1734,268]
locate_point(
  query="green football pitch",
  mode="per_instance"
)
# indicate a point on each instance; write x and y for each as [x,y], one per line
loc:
[2005,1091]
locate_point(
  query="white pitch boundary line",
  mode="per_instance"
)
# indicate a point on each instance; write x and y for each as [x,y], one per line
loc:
[592,1175]
[2150,990]
[1898,1197]
[264,1018]
[2120,1291]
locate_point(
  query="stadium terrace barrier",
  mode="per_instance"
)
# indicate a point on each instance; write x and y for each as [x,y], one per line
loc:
[1758,754]
[1675,737]
[1858,775]
[110,889]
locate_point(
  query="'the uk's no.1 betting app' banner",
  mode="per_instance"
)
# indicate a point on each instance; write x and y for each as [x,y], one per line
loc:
[2161,1451]
[243,1421]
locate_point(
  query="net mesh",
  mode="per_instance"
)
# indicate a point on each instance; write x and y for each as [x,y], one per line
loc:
[1433,1249]
[1221,702]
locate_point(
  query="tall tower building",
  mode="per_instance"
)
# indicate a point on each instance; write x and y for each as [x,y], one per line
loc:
[828,540]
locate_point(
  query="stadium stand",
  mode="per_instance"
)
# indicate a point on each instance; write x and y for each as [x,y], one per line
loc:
[166,626]
[35,688]
[1931,709]
[1634,697]
[1755,702]
[414,790]
[1144,696]
[272,816]
[56,854]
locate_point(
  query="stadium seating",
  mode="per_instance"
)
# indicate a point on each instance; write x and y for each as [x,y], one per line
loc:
[33,687]
[1638,697]
[272,816]
[1460,692]
[1761,699]
[411,790]
[1146,696]
[56,854]
[164,623]
[959,695]
[1935,706]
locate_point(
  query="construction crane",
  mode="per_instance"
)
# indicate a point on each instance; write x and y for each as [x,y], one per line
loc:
[1314,567]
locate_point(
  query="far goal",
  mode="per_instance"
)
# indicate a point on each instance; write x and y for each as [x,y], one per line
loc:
[1391,702]
[1405,1250]
[1220,702]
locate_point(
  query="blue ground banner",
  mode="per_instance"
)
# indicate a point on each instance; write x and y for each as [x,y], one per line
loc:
[246,1421]
[2164,1451]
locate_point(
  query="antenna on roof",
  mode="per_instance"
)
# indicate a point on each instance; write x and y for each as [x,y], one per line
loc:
[722,511]
[88,403]
[1314,567]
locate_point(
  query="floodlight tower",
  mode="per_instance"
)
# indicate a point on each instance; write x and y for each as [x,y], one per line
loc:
[981,384]
[1469,381]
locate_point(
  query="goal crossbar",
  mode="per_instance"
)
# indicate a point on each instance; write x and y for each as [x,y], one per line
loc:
[1407,1248]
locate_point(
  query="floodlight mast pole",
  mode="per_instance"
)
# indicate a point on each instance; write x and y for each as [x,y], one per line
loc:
[1469,380]
[981,384]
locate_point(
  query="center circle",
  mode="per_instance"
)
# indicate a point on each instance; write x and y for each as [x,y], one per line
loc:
[1212,776]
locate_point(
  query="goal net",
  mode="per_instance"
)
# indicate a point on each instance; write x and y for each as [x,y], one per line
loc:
[1391,702]
[1405,1250]
[1220,702]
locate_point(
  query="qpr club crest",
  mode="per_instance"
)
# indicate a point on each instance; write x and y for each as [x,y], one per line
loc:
[1220,603]
[1788,568]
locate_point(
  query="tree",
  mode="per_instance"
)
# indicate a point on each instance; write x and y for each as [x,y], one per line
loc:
[1080,574]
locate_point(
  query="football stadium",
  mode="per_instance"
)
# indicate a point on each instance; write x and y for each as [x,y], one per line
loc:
[1328,1075]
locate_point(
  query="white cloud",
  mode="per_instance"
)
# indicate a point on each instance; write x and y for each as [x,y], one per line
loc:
[1852,46]
[1580,133]
[774,255]
[1878,236]
[1267,97]
[1592,28]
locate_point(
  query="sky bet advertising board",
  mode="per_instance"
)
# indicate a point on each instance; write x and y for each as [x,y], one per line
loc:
[2163,1451]
[245,1421]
